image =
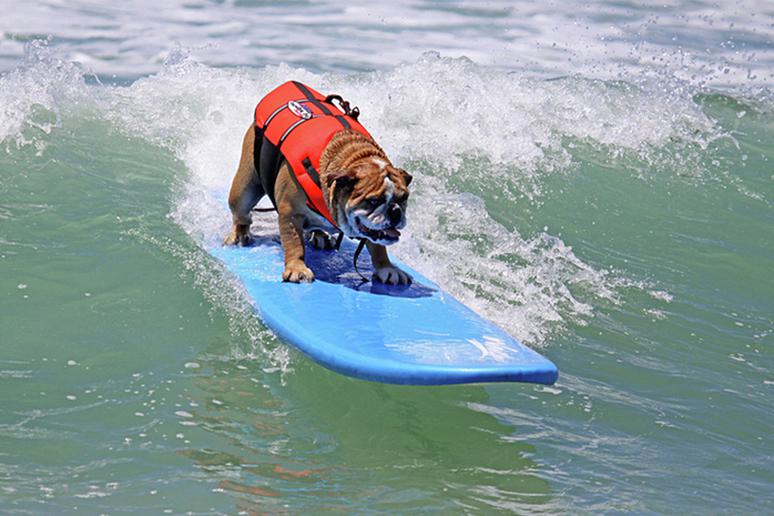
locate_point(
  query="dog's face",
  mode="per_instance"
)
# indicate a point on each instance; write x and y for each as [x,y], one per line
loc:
[369,201]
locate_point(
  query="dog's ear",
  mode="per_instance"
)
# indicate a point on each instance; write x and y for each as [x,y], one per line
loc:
[341,178]
[406,176]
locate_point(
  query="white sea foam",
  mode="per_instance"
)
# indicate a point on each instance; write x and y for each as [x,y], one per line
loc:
[31,96]
[436,114]
[436,111]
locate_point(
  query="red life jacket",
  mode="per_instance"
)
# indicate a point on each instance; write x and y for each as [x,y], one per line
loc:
[295,123]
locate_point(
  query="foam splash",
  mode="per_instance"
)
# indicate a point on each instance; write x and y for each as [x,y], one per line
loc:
[438,111]
[33,94]
[466,109]
[229,296]
[529,286]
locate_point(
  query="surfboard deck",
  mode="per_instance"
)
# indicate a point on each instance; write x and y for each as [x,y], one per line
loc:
[417,334]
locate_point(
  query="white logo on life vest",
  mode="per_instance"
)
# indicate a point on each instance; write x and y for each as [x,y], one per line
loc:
[300,110]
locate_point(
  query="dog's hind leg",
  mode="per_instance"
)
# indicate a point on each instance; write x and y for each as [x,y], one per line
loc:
[321,240]
[246,191]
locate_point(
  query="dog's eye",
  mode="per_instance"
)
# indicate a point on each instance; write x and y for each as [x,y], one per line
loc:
[373,202]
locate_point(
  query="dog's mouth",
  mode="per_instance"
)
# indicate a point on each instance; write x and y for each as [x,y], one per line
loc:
[388,234]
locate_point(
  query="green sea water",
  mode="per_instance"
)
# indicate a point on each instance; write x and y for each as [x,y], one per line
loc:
[623,229]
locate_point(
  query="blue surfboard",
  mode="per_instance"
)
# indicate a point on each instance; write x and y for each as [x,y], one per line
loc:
[415,334]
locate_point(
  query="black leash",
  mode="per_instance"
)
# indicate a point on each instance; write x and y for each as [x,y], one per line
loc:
[338,240]
[359,250]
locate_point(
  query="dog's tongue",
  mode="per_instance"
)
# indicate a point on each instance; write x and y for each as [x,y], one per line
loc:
[392,233]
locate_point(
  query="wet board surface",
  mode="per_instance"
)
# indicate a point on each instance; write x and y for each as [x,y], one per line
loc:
[415,334]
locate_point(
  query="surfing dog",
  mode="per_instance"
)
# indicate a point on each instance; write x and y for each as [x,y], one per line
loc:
[364,193]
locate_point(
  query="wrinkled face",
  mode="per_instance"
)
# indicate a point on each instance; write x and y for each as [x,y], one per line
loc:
[369,201]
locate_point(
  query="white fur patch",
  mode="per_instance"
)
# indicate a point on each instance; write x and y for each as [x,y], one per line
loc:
[379,162]
[389,189]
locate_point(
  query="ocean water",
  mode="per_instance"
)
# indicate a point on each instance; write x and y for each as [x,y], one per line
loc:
[596,179]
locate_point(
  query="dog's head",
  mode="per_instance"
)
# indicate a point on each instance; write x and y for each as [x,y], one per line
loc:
[369,200]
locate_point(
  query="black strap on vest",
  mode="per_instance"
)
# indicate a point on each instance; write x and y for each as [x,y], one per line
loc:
[266,162]
[307,163]
[308,94]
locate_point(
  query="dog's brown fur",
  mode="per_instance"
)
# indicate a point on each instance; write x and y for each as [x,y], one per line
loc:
[354,171]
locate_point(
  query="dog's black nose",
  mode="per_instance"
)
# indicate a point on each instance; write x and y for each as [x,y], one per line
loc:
[395,214]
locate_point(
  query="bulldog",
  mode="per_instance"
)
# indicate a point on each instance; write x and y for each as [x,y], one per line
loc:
[359,192]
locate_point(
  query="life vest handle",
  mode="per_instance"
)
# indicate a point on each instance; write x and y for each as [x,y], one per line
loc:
[354,112]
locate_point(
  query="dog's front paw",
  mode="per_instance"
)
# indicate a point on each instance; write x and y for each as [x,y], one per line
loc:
[239,235]
[321,240]
[392,275]
[298,273]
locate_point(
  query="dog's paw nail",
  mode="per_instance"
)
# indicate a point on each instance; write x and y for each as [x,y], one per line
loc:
[298,275]
[392,276]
